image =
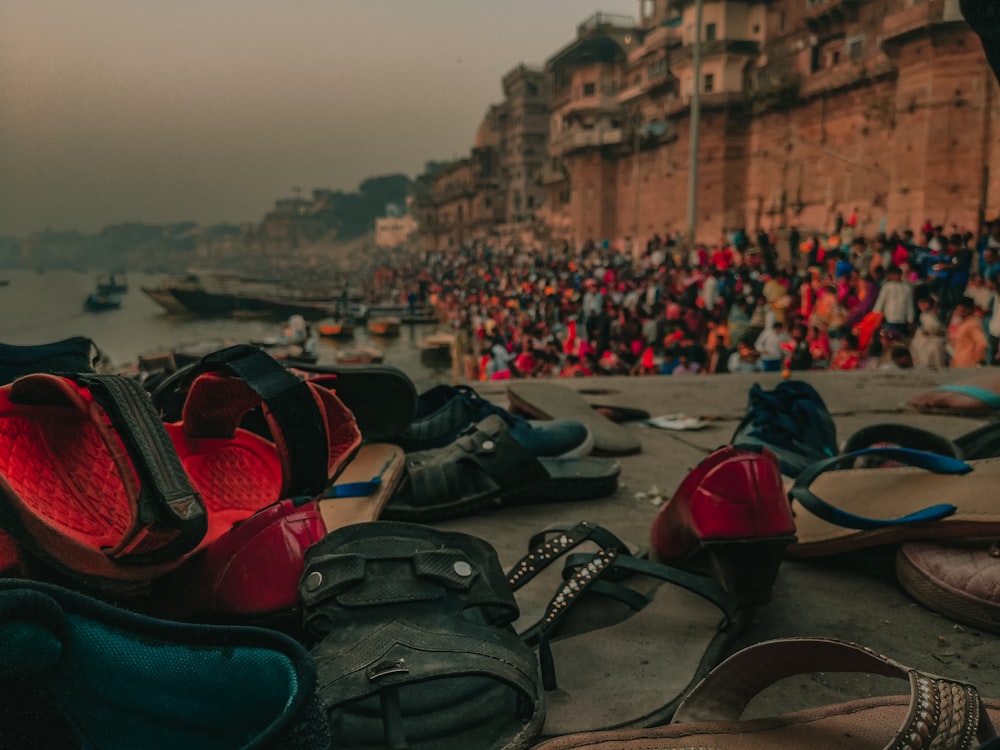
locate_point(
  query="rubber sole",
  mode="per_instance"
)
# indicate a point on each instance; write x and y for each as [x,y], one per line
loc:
[934,597]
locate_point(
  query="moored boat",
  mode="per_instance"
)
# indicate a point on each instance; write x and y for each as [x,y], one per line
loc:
[335,329]
[435,350]
[384,326]
[165,298]
[99,301]
[360,355]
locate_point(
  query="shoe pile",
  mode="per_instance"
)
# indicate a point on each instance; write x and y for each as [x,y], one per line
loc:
[236,556]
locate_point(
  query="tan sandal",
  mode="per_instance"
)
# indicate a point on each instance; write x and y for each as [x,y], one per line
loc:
[939,713]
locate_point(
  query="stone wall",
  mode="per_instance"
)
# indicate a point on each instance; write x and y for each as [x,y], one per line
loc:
[903,139]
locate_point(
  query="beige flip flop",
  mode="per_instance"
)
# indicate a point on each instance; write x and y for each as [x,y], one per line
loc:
[938,712]
[551,401]
[364,487]
[863,508]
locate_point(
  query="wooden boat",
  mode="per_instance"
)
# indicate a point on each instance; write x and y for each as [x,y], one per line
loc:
[360,355]
[435,350]
[384,326]
[165,298]
[335,329]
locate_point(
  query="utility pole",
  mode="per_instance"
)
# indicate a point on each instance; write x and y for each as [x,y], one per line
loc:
[692,217]
[635,182]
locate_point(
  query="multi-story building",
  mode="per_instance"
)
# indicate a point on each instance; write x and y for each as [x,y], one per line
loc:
[809,108]
[463,200]
[524,139]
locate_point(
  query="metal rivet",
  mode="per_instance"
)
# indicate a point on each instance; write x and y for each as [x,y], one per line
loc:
[489,445]
[462,568]
[314,580]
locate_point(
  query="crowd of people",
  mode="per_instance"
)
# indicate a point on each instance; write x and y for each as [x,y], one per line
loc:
[841,302]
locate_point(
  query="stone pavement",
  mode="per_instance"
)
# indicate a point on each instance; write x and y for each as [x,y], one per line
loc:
[852,597]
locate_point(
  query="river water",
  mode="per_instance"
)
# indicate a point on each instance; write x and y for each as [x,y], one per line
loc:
[37,308]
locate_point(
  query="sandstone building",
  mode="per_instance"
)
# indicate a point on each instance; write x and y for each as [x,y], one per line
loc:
[809,108]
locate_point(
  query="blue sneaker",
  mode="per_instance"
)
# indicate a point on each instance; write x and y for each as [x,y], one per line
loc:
[444,412]
[791,421]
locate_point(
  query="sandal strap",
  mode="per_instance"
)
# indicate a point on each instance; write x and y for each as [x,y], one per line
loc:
[485,454]
[593,578]
[931,461]
[169,519]
[292,407]
[939,707]
[552,543]
[386,563]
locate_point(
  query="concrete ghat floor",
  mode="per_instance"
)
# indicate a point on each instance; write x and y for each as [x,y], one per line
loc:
[853,597]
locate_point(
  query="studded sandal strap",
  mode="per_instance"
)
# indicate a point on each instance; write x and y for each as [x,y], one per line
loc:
[943,713]
[552,543]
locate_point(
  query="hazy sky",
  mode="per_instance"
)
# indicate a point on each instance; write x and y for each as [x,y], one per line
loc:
[167,110]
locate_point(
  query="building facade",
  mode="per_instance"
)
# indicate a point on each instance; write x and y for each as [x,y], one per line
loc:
[810,108]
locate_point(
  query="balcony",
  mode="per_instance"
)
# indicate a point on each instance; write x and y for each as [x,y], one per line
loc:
[574,140]
[593,103]
[550,175]
[717,47]
[920,18]
[824,14]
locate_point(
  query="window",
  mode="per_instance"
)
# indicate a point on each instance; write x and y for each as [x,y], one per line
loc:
[781,23]
[856,47]
[532,88]
[709,32]
[531,201]
[756,28]
[589,89]
[709,83]
[835,58]
[815,59]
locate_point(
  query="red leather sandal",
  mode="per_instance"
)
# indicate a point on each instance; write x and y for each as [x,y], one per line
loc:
[729,514]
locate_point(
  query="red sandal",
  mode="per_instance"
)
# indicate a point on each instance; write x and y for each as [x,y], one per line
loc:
[95,485]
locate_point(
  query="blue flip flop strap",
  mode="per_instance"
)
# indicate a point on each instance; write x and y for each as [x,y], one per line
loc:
[985,395]
[921,459]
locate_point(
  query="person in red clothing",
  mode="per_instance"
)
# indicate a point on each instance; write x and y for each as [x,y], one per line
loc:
[848,357]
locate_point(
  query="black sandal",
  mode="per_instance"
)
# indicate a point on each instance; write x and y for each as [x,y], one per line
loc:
[414,643]
[486,467]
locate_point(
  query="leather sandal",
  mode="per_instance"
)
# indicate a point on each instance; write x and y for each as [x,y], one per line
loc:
[938,712]
[486,467]
[413,643]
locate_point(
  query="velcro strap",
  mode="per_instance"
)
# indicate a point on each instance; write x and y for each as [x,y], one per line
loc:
[394,563]
[356,580]
[292,411]
[170,517]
